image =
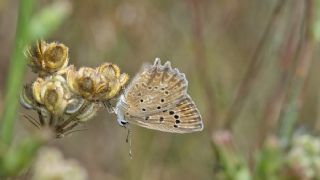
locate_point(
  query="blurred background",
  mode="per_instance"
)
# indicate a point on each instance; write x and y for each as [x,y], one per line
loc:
[242,60]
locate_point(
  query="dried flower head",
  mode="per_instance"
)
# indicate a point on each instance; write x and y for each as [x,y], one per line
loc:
[111,73]
[56,106]
[87,82]
[47,58]
[100,84]
[52,92]
[51,165]
[62,96]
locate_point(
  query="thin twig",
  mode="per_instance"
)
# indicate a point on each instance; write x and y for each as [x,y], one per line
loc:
[41,120]
[253,68]
[76,130]
[290,47]
[30,117]
[32,121]
[304,60]
[200,59]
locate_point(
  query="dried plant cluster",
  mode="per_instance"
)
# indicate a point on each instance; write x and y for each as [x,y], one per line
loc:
[63,96]
[51,164]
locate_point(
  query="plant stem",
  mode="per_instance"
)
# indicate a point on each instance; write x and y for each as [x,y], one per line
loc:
[253,68]
[200,58]
[290,114]
[16,71]
[288,53]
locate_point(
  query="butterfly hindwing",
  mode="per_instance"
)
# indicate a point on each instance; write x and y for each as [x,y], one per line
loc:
[184,117]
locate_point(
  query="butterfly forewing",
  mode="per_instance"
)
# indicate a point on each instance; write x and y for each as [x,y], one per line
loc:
[155,89]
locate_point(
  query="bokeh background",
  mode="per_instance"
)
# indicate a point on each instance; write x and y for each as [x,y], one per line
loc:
[239,57]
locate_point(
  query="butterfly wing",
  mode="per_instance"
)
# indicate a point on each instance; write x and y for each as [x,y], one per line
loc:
[154,94]
[184,117]
[155,89]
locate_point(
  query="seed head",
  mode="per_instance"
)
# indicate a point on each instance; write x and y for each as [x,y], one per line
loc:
[51,92]
[47,58]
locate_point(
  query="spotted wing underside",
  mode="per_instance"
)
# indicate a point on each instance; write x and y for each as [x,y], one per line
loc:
[157,99]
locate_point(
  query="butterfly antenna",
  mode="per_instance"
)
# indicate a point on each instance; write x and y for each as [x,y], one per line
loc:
[128,140]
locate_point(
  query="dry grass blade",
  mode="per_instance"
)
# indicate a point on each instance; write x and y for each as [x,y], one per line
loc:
[253,68]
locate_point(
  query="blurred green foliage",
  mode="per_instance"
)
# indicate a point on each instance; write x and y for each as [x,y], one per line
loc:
[16,71]
[29,28]
[48,19]
[272,161]
[15,159]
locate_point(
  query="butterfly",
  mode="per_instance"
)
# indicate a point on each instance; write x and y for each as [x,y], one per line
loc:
[157,99]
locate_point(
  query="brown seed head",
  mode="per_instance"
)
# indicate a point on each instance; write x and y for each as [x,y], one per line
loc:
[47,58]
[55,57]
[51,93]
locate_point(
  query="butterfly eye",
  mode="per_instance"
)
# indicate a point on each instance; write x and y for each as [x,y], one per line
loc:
[159,107]
[176,116]
[177,121]
[175,126]
[161,119]
[162,100]
[141,100]
[171,112]
[143,109]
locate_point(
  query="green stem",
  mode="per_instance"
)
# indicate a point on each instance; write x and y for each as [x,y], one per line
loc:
[290,114]
[16,70]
